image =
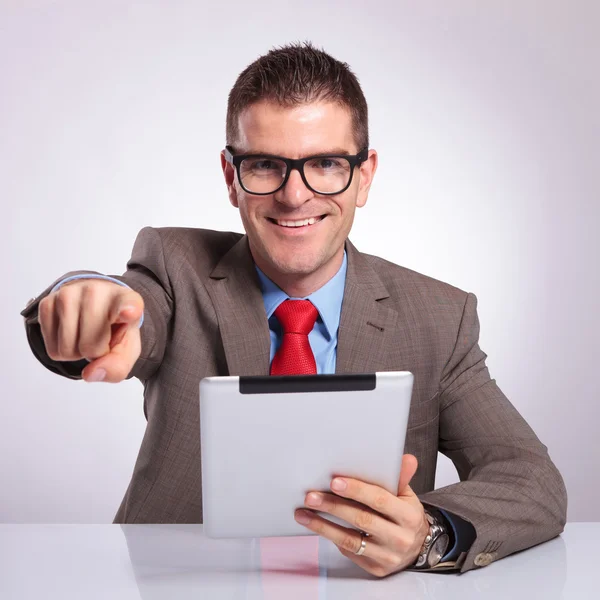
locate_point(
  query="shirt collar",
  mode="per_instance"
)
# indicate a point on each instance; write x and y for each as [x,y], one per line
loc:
[327,299]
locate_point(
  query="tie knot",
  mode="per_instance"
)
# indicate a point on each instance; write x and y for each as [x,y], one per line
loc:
[297,316]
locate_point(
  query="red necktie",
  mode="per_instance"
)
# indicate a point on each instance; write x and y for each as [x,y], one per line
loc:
[294,357]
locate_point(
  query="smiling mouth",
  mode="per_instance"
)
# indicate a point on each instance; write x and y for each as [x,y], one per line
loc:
[298,223]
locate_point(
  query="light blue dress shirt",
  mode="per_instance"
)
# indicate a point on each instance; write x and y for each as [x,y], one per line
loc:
[323,342]
[328,302]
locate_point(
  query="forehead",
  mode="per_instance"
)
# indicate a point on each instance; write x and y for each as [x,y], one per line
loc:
[297,131]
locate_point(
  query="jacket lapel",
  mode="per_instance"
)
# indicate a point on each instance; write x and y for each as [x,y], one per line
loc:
[372,336]
[235,291]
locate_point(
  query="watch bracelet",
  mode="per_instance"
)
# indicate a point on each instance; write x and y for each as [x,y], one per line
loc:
[443,524]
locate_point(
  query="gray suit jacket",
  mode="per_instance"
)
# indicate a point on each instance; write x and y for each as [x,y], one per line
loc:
[204,315]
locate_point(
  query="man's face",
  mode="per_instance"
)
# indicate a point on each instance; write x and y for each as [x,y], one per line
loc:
[311,251]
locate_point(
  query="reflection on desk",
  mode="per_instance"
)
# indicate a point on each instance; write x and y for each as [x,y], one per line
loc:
[177,561]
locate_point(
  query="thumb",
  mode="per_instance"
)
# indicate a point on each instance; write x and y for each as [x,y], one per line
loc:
[407,472]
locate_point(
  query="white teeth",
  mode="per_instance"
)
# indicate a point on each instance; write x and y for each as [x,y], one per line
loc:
[310,221]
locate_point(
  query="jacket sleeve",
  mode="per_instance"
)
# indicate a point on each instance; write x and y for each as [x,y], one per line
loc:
[146,274]
[509,489]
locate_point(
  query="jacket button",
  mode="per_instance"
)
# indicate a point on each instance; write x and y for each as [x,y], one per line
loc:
[484,559]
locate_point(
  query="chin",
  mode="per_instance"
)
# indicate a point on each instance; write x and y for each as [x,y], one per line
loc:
[296,265]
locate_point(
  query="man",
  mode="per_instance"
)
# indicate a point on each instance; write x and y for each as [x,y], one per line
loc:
[297,165]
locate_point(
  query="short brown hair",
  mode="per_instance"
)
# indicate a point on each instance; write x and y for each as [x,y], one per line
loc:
[295,74]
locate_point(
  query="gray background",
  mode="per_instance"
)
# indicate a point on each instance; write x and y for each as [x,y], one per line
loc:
[485,115]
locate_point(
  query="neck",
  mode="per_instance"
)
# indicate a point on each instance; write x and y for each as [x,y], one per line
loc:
[301,285]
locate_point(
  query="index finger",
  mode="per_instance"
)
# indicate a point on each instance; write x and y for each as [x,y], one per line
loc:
[127,306]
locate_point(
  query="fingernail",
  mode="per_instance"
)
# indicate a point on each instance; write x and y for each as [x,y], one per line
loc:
[303,517]
[314,499]
[97,375]
[338,485]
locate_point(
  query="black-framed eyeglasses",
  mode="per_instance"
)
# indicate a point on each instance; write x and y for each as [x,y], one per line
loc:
[324,174]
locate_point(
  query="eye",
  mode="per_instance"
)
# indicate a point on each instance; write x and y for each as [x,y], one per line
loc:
[327,164]
[263,164]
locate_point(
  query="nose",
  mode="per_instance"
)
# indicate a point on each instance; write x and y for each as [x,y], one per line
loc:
[294,193]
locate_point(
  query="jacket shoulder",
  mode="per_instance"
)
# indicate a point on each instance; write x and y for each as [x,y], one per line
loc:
[404,282]
[202,247]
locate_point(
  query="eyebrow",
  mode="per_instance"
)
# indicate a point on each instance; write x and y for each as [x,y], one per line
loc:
[342,151]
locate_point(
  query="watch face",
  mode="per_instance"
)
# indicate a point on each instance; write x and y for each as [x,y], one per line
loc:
[438,549]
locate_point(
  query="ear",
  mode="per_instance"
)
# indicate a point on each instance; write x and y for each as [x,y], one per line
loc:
[366,173]
[229,173]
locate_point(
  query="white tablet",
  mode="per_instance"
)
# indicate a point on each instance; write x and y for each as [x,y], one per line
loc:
[267,441]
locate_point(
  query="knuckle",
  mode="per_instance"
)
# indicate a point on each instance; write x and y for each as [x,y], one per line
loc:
[137,299]
[64,302]
[363,519]
[348,543]
[52,352]
[380,502]
[64,352]
[317,525]
[52,355]
[43,310]
[89,291]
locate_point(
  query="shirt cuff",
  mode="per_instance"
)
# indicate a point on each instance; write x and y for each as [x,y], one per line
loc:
[93,276]
[464,535]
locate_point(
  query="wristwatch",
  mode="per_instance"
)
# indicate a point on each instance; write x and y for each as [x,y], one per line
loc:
[436,542]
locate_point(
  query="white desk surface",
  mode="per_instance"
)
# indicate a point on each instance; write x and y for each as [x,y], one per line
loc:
[177,562]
